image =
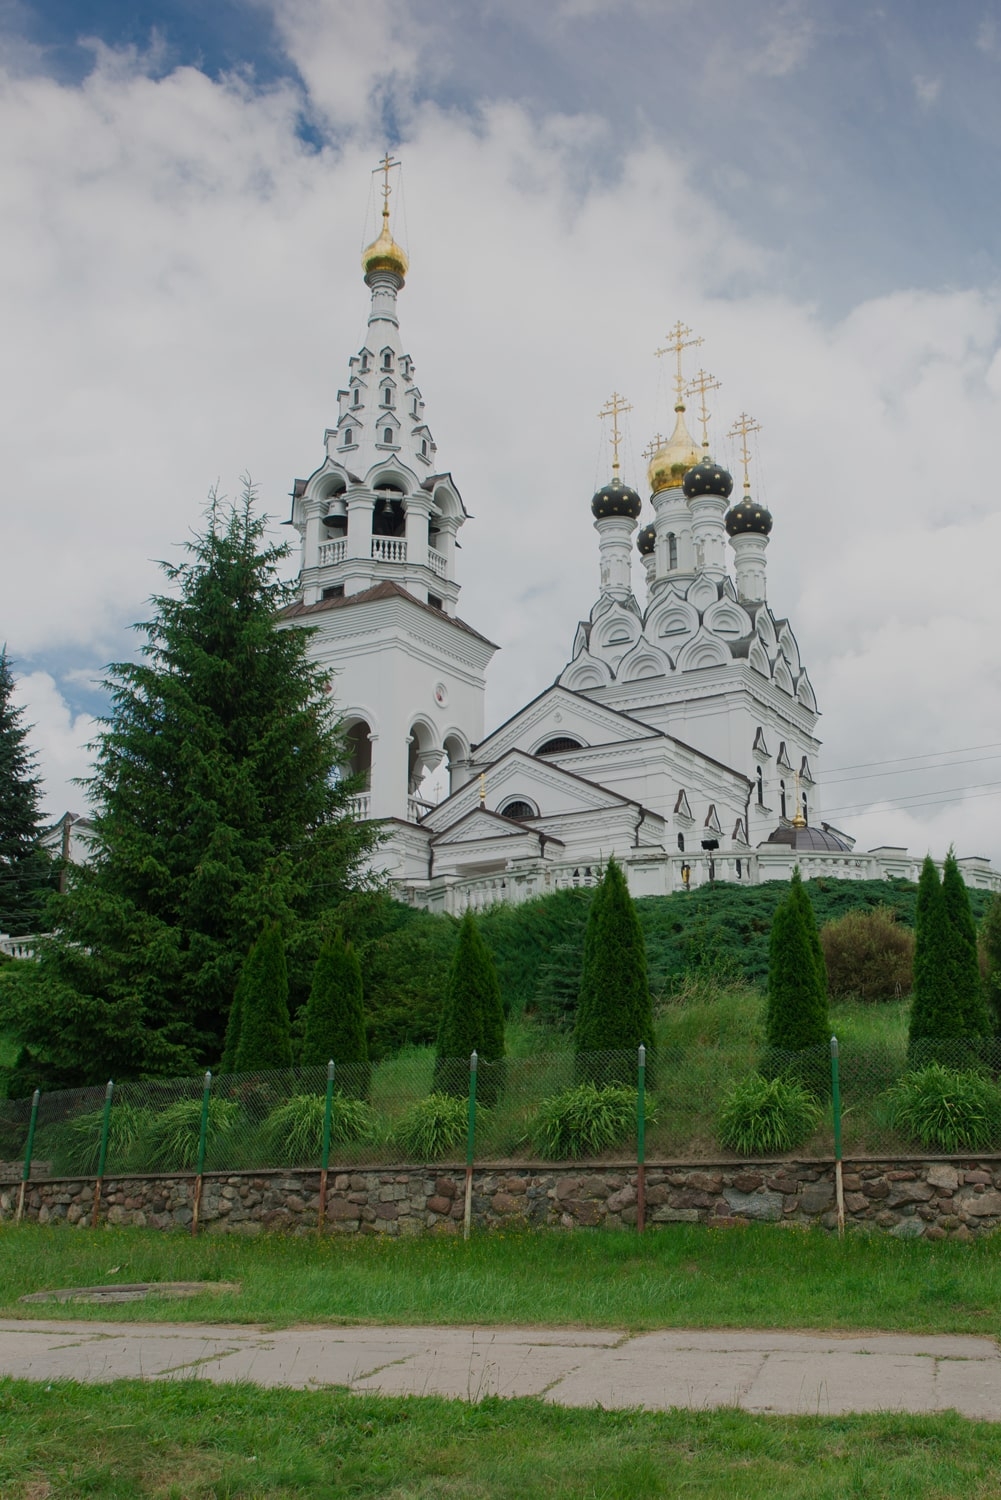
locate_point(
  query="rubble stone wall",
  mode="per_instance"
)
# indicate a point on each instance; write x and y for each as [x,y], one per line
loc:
[911,1199]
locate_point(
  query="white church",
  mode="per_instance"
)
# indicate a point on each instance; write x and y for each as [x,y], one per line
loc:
[680,737]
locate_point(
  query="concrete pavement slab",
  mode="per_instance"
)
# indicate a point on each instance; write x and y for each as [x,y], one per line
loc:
[836,1382]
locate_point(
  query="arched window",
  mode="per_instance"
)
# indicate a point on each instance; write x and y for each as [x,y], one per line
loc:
[761,789]
[387,434]
[782,798]
[558,745]
[518,810]
[387,395]
[672,550]
[424,447]
[681,843]
[387,361]
[357,397]
[349,437]
[363,367]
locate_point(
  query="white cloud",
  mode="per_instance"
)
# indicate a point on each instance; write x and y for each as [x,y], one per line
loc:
[59,737]
[182,292]
[927,90]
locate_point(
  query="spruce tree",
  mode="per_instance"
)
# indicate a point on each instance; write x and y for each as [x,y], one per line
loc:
[964,965]
[796,1016]
[335,1017]
[25,868]
[614,1010]
[218,808]
[265,1038]
[472,1017]
[798,895]
[936,1025]
[989,942]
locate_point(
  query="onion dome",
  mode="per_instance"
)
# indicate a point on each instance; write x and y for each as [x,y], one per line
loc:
[647,540]
[748,515]
[384,254]
[707,478]
[616,499]
[672,459]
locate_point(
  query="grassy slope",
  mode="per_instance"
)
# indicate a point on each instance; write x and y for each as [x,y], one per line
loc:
[189,1440]
[677,1276]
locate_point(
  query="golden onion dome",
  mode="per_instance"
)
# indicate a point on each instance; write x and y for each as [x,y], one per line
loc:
[384,254]
[674,458]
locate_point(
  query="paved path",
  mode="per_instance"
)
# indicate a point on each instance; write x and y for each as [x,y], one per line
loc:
[763,1372]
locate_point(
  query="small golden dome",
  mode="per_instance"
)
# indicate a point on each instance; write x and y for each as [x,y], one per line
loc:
[384,254]
[674,458]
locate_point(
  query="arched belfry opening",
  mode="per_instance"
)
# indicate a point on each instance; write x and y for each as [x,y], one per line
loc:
[358,743]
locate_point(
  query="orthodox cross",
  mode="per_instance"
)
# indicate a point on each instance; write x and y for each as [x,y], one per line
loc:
[677,339]
[612,407]
[654,446]
[742,428]
[703,384]
[385,167]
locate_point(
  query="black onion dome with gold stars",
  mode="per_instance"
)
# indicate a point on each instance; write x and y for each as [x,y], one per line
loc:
[707,478]
[748,515]
[616,499]
[646,541]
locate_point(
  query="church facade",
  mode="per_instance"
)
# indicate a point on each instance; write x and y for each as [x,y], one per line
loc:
[681,735]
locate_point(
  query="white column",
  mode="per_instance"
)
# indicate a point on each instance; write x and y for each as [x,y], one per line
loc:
[616,549]
[749,548]
[709,534]
[418,511]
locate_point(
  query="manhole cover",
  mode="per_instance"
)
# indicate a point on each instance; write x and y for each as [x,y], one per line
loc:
[133,1291]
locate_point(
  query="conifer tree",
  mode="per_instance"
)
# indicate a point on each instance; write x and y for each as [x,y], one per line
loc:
[936,1024]
[217,809]
[25,869]
[614,1010]
[798,895]
[265,1035]
[472,1017]
[989,942]
[335,1017]
[964,965]
[796,1017]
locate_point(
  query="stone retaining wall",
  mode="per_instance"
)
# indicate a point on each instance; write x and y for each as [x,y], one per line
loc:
[933,1199]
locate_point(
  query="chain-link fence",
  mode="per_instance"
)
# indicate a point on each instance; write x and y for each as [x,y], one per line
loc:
[413,1108]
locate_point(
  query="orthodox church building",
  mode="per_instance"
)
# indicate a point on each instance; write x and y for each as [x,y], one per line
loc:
[681,735]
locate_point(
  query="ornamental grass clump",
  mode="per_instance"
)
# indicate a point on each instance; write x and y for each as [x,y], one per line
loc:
[292,1135]
[766,1116]
[585,1120]
[170,1141]
[433,1127]
[74,1145]
[946,1109]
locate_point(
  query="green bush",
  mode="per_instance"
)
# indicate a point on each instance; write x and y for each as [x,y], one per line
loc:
[869,955]
[945,1109]
[170,1139]
[432,1127]
[74,1145]
[764,1116]
[292,1135]
[585,1120]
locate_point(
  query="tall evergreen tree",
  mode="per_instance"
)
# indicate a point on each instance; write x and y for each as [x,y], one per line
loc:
[798,896]
[990,952]
[963,962]
[265,1034]
[614,1010]
[796,1015]
[936,1025]
[472,1017]
[218,808]
[25,869]
[335,1016]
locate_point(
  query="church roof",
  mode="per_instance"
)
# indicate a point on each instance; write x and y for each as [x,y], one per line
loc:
[810,838]
[388,589]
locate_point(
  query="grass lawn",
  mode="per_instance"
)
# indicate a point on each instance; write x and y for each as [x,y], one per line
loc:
[681,1275]
[188,1440]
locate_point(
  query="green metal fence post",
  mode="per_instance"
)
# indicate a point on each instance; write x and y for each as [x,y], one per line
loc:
[29,1148]
[470,1140]
[103,1153]
[839,1185]
[202,1138]
[641,1141]
[327,1115]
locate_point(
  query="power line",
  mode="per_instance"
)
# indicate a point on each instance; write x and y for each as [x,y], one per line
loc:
[930,799]
[902,759]
[946,765]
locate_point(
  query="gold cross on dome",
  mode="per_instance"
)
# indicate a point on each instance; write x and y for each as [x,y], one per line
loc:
[742,428]
[703,384]
[677,340]
[612,407]
[385,167]
[655,444]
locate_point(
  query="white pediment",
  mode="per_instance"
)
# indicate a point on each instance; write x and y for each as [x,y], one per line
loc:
[757,659]
[782,677]
[765,627]
[805,693]
[727,619]
[703,650]
[702,593]
[644,661]
[521,777]
[585,672]
[671,622]
[560,711]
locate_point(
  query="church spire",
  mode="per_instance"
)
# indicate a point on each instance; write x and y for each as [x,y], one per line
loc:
[384,254]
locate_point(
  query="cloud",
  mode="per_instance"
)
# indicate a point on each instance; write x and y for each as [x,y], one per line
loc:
[59,737]
[182,292]
[927,90]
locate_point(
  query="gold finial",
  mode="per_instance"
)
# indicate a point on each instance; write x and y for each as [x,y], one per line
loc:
[703,383]
[384,254]
[612,407]
[677,340]
[483,787]
[742,428]
[798,819]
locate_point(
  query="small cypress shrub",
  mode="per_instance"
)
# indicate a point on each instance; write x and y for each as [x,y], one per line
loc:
[261,999]
[796,1017]
[472,1019]
[947,1109]
[963,952]
[947,1022]
[765,1116]
[335,1018]
[869,955]
[614,1010]
[585,1120]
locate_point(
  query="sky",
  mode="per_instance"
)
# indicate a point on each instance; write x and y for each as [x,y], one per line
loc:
[811,185]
